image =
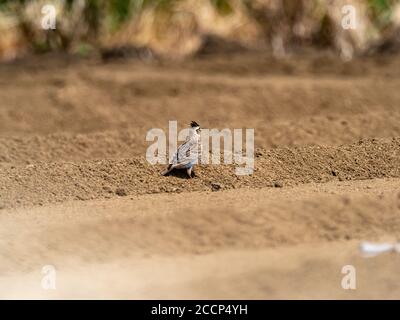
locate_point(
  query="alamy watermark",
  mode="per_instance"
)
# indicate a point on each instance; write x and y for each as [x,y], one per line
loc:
[49,277]
[349,280]
[349,21]
[232,152]
[49,19]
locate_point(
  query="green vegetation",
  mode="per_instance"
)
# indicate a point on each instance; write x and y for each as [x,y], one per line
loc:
[381,11]
[86,26]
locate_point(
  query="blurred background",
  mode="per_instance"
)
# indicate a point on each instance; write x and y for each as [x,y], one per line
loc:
[112,70]
[177,29]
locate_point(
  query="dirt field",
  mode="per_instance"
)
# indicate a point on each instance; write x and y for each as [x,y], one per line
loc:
[76,191]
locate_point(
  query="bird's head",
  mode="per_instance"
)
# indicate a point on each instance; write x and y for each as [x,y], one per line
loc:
[195,127]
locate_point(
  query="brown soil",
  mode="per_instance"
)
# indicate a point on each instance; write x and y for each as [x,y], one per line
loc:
[77,192]
[40,183]
[259,244]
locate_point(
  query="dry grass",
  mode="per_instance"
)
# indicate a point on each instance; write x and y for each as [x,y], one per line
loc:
[177,28]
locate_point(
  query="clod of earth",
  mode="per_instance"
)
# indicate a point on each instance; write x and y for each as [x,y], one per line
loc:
[121,192]
[216,186]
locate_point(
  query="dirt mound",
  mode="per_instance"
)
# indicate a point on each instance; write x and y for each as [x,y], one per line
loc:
[68,147]
[310,104]
[41,183]
[262,224]
[198,223]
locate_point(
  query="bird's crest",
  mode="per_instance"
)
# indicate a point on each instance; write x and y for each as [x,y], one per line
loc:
[194,124]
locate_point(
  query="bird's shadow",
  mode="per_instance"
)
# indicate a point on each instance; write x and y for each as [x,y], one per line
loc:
[180,173]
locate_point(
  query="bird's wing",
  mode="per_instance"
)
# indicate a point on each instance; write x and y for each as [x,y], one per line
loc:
[187,152]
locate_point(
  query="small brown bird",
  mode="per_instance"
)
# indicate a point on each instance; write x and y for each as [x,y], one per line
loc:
[188,153]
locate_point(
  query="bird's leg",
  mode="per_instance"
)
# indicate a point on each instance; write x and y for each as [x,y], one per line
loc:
[166,171]
[189,172]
